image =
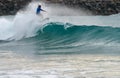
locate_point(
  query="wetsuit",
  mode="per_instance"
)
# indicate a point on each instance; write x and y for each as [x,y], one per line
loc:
[39,10]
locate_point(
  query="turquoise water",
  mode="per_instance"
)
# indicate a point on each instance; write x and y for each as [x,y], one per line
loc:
[63,38]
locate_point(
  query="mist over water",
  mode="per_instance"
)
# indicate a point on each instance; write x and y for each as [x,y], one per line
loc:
[56,9]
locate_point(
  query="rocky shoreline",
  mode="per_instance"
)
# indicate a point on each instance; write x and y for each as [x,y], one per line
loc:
[10,7]
[97,7]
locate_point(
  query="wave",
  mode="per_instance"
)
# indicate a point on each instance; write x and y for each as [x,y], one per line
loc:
[25,26]
[60,38]
[40,36]
[60,33]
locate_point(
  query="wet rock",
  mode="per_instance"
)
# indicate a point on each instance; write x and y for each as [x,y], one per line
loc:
[10,7]
[98,7]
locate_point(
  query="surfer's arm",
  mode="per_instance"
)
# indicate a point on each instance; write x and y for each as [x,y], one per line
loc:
[43,10]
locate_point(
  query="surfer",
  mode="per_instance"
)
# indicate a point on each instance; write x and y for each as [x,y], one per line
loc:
[39,9]
[38,12]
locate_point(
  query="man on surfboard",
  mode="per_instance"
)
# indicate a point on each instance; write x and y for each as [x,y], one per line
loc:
[39,9]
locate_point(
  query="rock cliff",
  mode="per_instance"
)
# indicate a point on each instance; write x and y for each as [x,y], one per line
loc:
[98,7]
[10,7]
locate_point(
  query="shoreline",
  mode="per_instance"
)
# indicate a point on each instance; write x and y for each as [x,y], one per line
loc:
[96,7]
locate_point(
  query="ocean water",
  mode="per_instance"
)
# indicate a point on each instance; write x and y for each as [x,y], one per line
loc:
[59,46]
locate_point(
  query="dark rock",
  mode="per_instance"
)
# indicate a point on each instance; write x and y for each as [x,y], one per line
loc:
[98,7]
[10,7]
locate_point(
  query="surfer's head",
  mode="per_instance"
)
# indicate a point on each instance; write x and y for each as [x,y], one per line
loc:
[39,6]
